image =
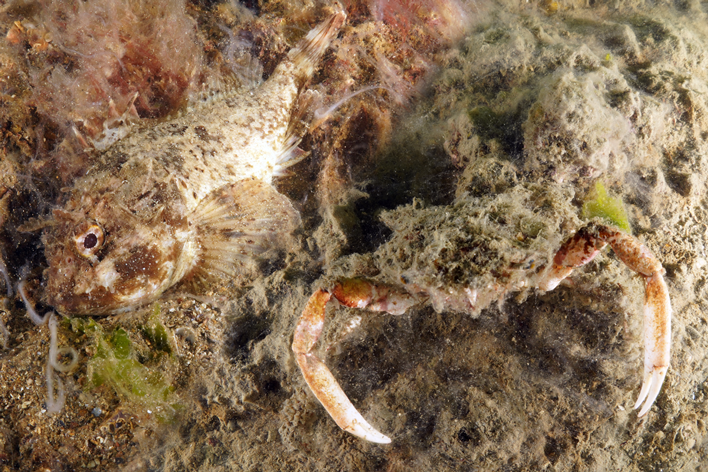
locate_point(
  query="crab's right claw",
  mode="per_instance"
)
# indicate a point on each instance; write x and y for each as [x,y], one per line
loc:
[657,340]
[320,379]
[581,249]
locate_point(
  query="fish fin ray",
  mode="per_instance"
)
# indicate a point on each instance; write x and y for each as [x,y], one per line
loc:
[290,156]
[238,226]
[306,54]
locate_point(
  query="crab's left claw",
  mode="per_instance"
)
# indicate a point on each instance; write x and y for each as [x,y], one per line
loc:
[581,249]
[320,379]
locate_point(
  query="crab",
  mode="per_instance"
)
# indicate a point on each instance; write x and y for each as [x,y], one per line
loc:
[467,255]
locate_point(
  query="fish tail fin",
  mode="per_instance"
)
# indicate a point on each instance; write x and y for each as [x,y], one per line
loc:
[306,54]
[238,227]
[301,64]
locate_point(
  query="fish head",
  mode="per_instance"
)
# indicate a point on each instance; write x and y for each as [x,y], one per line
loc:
[104,259]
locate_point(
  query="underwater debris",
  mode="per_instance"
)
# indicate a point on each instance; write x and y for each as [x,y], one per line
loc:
[118,59]
[113,50]
[426,24]
[395,46]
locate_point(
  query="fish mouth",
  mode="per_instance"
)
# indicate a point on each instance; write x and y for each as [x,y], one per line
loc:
[84,296]
[99,302]
[71,296]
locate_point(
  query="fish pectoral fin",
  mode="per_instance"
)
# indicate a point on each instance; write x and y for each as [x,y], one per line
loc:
[238,225]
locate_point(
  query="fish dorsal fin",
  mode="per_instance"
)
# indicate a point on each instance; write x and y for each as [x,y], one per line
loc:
[299,123]
[237,225]
[302,61]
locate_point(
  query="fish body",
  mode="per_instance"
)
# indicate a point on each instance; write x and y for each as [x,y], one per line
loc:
[188,198]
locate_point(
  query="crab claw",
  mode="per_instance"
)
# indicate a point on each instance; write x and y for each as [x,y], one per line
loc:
[657,311]
[581,249]
[657,341]
[335,401]
[354,293]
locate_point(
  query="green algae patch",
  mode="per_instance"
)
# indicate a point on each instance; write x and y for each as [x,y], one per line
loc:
[610,209]
[156,334]
[139,373]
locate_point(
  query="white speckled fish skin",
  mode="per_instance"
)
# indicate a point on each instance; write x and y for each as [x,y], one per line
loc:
[238,137]
[188,198]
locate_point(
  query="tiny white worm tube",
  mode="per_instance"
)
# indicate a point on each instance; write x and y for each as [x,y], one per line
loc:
[53,406]
[55,351]
[31,312]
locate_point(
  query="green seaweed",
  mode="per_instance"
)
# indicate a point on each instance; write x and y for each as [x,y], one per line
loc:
[82,326]
[156,334]
[138,376]
[610,209]
[121,343]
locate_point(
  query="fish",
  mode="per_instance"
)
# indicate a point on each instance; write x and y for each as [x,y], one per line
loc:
[188,199]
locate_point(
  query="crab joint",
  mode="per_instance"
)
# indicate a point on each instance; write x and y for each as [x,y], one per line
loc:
[361,293]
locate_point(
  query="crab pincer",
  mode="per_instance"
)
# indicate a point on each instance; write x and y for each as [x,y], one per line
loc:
[581,249]
[354,293]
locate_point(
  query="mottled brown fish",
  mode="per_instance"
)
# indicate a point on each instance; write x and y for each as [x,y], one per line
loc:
[187,199]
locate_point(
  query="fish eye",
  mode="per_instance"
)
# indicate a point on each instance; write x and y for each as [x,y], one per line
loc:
[90,241]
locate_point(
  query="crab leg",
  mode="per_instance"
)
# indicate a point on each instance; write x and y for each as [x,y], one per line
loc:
[354,293]
[581,249]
